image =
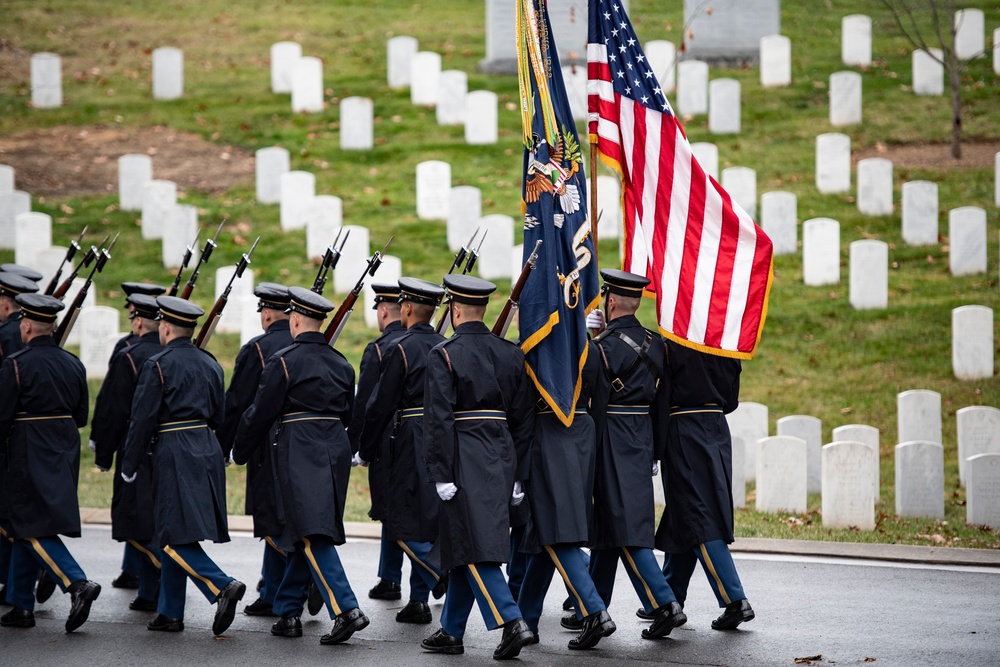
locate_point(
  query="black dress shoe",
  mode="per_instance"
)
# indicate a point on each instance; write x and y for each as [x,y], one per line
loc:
[665,619]
[571,622]
[287,627]
[84,593]
[126,580]
[161,623]
[260,584]
[645,615]
[142,604]
[534,639]
[595,627]
[345,625]
[441,587]
[18,618]
[45,588]
[735,613]
[568,604]
[442,642]
[516,634]
[414,612]
[386,590]
[315,602]
[225,609]
[259,607]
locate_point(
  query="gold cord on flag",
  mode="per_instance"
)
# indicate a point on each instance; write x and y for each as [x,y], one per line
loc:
[530,53]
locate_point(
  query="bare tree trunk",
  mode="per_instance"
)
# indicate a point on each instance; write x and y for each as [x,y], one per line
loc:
[955,79]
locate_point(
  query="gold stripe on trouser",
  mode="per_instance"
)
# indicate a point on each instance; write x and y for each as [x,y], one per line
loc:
[271,543]
[48,560]
[176,557]
[486,593]
[569,584]
[649,593]
[711,570]
[4,534]
[149,554]
[415,559]
[319,574]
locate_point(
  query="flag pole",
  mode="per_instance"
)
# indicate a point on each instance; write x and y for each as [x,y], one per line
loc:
[593,198]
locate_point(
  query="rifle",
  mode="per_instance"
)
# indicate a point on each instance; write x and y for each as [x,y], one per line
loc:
[462,252]
[184,264]
[74,247]
[347,305]
[206,252]
[73,313]
[445,319]
[507,314]
[89,257]
[474,255]
[330,260]
[220,304]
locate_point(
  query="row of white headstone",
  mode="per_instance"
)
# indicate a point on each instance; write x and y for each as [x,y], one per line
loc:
[970,36]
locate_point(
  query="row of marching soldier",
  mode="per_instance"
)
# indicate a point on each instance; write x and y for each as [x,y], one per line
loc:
[458,443]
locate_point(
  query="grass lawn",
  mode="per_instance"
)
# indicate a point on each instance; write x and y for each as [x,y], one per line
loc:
[818,356]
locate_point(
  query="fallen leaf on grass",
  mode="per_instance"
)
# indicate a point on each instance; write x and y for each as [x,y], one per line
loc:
[869,659]
[809,659]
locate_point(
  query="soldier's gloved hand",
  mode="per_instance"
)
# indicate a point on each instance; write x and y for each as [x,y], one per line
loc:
[129,480]
[446,490]
[656,467]
[92,445]
[517,497]
[101,468]
[356,460]
[595,321]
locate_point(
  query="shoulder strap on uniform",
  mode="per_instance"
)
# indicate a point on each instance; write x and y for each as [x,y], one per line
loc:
[406,362]
[641,357]
[260,354]
[378,351]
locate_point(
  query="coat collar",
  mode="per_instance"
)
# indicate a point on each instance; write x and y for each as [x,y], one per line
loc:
[42,341]
[311,337]
[624,322]
[278,325]
[472,328]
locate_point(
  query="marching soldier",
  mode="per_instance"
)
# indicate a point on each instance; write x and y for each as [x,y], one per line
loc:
[477,429]
[262,489]
[178,402]
[309,387]
[43,403]
[397,404]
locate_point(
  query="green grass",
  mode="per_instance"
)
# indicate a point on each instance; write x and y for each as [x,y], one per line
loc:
[817,357]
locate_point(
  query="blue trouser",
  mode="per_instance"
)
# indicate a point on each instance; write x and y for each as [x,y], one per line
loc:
[29,554]
[640,563]
[517,563]
[131,559]
[423,576]
[149,563]
[719,568]
[538,575]
[272,570]
[481,583]
[5,549]
[181,561]
[390,560]
[314,557]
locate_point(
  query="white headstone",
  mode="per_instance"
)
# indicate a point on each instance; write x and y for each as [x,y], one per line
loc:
[972,342]
[47,262]
[970,33]
[157,198]
[231,320]
[453,86]
[32,234]
[269,164]
[856,40]
[354,259]
[918,415]
[707,155]
[775,61]
[920,480]
[98,327]
[609,198]
[357,124]
[967,238]
[845,98]
[249,320]
[168,73]
[978,428]
[516,264]
[661,56]
[73,338]
[809,430]
[782,471]
[284,56]
[297,191]
[425,76]
[920,212]
[134,171]
[996,55]
[433,190]
[323,217]
[12,204]
[180,226]
[869,269]
[875,186]
[401,50]
[982,490]
[390,272]
[465,207]
[833,162]
[749,421]
[575,80]
[848,497]
[481,117]
[728,28]
[46,81]
[821,252]
[307,85]
[779,220]
[996,172]
[739,472]
[724,106]
[495,256]
[741,184]
[928,73]
[6,179]
[692,87]
[871,437]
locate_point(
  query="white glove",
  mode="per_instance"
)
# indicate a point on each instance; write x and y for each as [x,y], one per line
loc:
[102,469]
[92,445]
[129,480]
[356,461]
[446,490]
[517,497]
[656,467]
[595,320]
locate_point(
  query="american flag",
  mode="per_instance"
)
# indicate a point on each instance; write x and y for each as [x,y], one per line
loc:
[708,262]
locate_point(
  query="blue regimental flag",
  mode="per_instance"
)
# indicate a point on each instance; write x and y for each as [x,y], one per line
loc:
[564,286]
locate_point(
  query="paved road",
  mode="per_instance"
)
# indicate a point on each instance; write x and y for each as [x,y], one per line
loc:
[845,610]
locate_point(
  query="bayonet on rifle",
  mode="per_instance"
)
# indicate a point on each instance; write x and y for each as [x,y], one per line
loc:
[220,304]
